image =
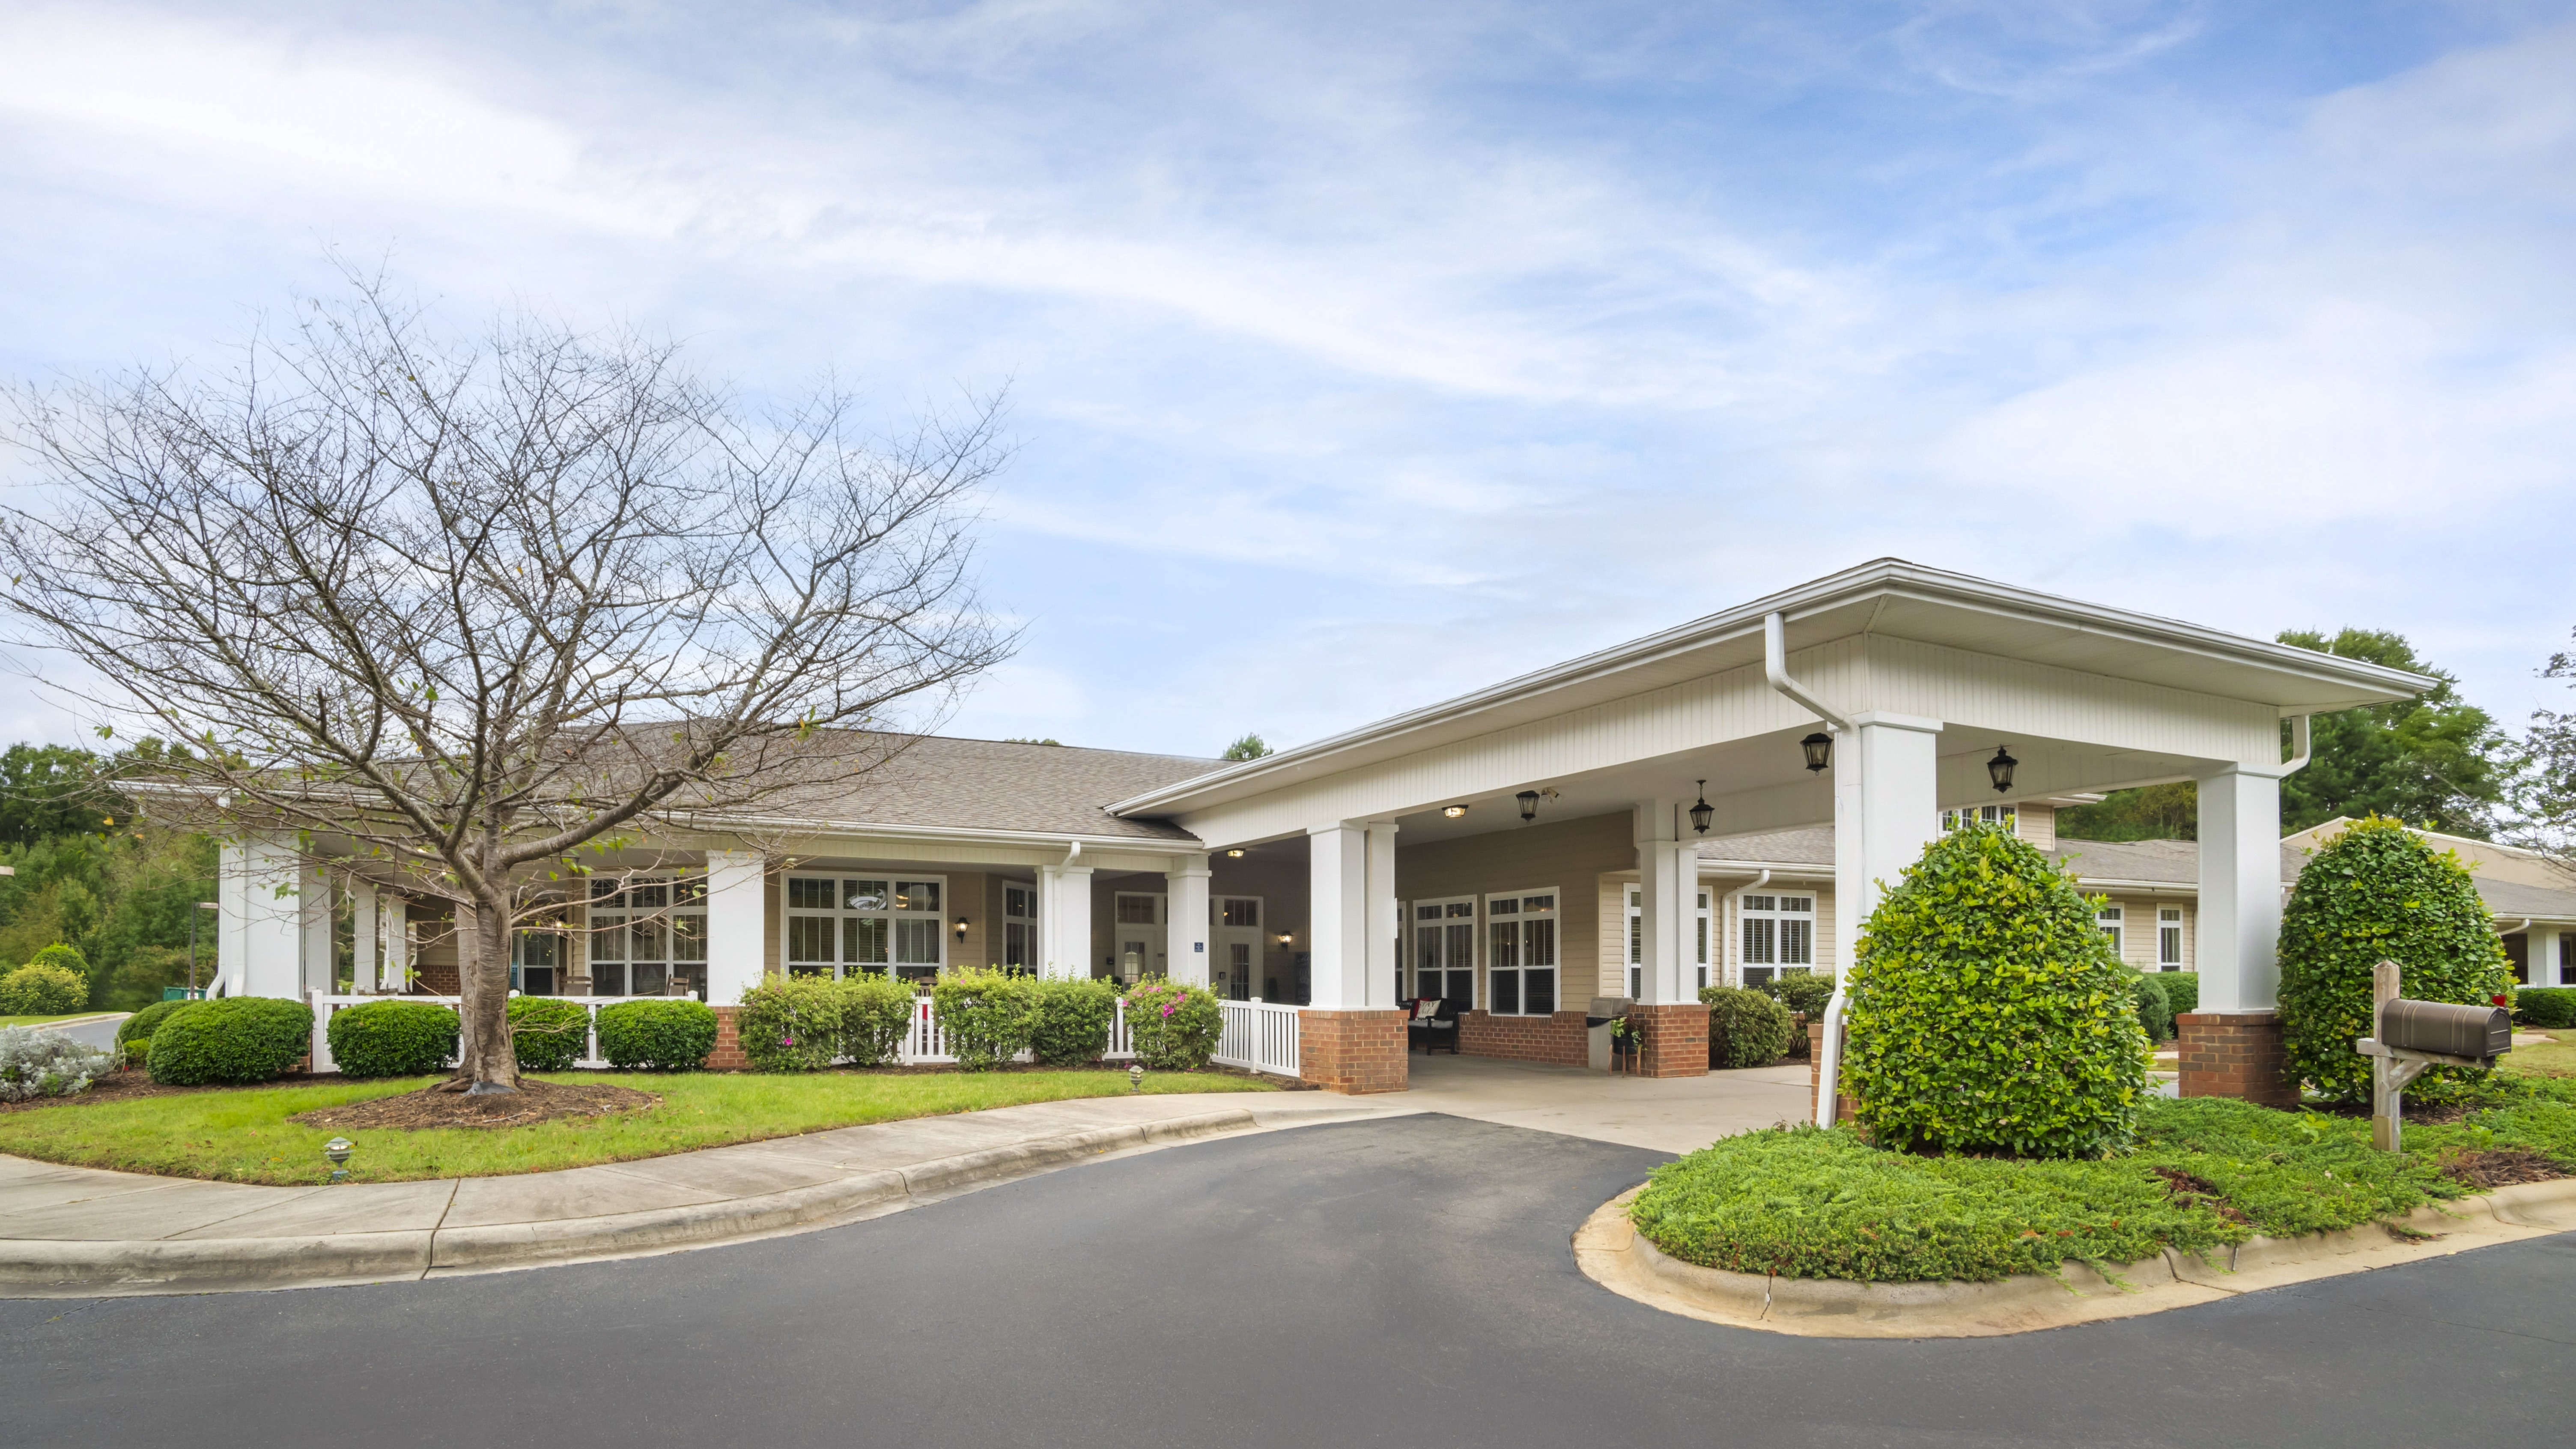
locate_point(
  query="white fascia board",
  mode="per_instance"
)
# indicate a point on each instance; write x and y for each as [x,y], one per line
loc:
[1014,846]
[1458,717]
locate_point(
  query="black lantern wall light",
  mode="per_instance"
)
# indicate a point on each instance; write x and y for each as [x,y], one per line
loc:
[2000,769]
[1819,748]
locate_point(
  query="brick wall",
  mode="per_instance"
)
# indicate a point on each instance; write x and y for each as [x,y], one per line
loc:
[2235,1054]
[727,1056]
[1844,1106]
[1558,1039]
[1672,1041]
[1352,1051]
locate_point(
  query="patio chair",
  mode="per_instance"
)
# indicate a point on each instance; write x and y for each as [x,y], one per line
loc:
[1434,1020]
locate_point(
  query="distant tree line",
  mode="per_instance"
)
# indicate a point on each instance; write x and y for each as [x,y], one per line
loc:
[93,875]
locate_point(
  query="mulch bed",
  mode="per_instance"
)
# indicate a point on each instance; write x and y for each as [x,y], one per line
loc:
[114,1087]
[441,1106]
[2187,1187]
[2500,1167]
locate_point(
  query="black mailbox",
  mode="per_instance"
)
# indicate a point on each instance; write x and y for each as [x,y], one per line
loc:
[2451,1030]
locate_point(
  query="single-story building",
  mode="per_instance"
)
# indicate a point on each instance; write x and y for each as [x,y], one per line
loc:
[1593,828]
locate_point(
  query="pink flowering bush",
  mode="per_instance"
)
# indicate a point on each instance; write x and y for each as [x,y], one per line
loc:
[1173,1027]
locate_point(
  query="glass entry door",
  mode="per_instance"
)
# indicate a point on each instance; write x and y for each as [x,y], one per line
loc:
[1444,949]
[1138,942]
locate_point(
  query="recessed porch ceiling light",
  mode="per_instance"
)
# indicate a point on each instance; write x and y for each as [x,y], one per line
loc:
[2000,769]
[1454,811]
[1820,750]
[1234,855]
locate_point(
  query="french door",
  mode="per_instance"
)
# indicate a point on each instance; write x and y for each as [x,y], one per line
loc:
[1444,949]
[1520,953]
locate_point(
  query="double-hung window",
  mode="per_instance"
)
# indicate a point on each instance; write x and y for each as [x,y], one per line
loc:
[1637,941]
[846,925]
[1444,950]
[1779,936]
[2169,938]
[1520,953]
[2110,919]
[2004,815]
[1020,927]
[648,937]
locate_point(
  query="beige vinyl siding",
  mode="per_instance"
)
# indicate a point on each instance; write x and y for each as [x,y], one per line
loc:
[2036,824]
[2138,926]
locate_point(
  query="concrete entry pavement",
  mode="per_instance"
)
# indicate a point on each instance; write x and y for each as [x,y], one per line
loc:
[1666,1114]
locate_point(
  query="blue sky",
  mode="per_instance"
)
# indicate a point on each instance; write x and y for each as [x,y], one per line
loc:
[1363,354]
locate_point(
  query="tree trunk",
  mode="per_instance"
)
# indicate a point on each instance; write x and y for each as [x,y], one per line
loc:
[485,1060]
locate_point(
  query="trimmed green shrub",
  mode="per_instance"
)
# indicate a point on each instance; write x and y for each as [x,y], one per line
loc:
[134,1034]
[2182,990]
[2547,1007]
[1069,1020]
[1174,1028]
[983,1015]
[547,1033]
[1805,993]
[2379,892]
[1745,1028]
[657,1034]
[66,956]
[1987,1012]
[235,1039]
[876,1014]
[36,989]
[791,1023]
[392,1038]
[2155,1009]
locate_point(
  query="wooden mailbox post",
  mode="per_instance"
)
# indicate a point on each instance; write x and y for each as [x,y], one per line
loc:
[2408,1036]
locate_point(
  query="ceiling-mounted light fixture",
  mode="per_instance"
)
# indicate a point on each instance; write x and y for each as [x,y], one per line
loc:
[2000,769]
[1234,855]
[1453,811]
[1529,804]
[1701,812]
[1819,748]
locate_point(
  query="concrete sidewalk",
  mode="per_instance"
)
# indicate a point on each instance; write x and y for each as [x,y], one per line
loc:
[76,1232]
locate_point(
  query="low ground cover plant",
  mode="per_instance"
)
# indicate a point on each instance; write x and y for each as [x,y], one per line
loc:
[1745,1028]
[1172,1026]
[42,989]
[983,1015]
[39,1063]
[657,1035]
[1069,1020]
[392,1038]
[547,1033]
[1810,1203]
[236,1039]
[1988,1014]
[243,1135]
[2379,892]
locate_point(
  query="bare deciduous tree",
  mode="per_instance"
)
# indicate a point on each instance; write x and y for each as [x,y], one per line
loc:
[464,609]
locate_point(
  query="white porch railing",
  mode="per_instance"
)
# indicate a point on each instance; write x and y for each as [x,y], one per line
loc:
[1258,1036]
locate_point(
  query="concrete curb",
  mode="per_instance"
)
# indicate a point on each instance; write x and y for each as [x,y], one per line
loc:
[74,1268]
[1611,1253]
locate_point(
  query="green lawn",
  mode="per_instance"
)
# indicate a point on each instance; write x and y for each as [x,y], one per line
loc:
[243,1136]
[44,1020]
[1824,1204]
[2553,1058]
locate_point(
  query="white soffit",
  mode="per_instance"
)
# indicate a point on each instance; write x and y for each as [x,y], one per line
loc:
[1888,597]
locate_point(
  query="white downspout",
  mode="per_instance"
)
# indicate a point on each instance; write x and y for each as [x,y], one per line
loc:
[2299,746]
[1775,667]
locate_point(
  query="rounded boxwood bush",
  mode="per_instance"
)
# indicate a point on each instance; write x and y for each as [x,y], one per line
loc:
[1805,993]
[657,1035]
[236,1039]
[2547,1007]
[983,1015]
[1174,1028]
[36,989]
[2155,1009]
[547,1033]
[65,955]
[876,1015]
[134,1034]
[791,1023]
[1745,1028]
[1069,1020]
[1987,1013]
[2182,991]
[2379,892]
[392,1038]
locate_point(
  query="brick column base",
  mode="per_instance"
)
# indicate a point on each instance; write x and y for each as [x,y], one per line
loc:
[1844,1107]
[2235,1054]
[1672,1040]
[727,1057]
[1351,1051]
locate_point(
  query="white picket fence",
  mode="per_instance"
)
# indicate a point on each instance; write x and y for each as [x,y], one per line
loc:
[1258,1035]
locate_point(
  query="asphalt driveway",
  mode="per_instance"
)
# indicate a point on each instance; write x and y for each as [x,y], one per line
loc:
[1405,1281]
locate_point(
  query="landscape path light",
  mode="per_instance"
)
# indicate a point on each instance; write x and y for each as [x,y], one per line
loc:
[337,1149]
[1135,1076]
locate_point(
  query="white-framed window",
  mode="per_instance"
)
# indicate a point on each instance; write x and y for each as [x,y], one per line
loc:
[1637,941]
[1137,929]
[1444,949]
[2007,816]
[1020,927]
[2567,959]
[537,963]
[843,925]
[1520,953]
[2169,938]
[649,937]
[2109,919]
[1779,934]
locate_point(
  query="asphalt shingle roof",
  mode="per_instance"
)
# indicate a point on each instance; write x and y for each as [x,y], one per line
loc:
[936,780]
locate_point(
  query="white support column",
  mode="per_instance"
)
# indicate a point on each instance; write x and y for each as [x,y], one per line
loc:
[1337,905]
[2240,889]
[259,944]
[1668,906]
[394,971]
[1064,920]
[737,924]
[1377,977]
[2541,957]
[319,963]
[1186,918]
[1887,807]
[364,954]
